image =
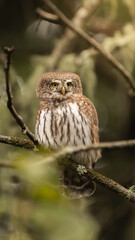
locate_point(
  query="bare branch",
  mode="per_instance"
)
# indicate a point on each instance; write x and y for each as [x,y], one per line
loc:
[104,145]
[67,151]
[8,51]
[112,60]
[25,143]
[54,18]
[68,39]
[48,16]
[18,142]
[96,24]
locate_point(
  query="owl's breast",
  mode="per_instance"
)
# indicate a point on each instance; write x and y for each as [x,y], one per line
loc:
[64,125]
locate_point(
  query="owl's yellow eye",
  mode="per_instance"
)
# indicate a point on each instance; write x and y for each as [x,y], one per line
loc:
[54,84]
[69,84]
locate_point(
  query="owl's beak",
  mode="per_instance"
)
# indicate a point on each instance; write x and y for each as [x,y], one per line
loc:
[63,91]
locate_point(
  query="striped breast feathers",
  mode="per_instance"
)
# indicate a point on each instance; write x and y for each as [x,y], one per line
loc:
[64,125]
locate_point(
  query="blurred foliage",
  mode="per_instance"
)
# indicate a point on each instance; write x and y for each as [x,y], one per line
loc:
[35,208]
[31,203]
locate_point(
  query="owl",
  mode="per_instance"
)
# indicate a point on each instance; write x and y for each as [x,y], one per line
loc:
[67,118]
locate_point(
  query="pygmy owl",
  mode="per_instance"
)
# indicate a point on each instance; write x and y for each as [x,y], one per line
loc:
[67,118]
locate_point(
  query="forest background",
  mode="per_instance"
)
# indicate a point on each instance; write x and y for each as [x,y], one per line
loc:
[36,210]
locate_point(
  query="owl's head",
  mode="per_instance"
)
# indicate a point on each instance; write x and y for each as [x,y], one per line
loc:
[58,85]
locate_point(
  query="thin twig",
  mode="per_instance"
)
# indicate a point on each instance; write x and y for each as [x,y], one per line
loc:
[18,142]
[68,40]
[8,51]
[96,24]
[53,18]
[25,143]
[114,62]
[67,151]
[103,145]
[38,24]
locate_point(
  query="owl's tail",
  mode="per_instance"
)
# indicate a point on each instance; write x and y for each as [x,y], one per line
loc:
[76,186]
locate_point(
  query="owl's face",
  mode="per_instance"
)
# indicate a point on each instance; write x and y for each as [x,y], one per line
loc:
[58,85]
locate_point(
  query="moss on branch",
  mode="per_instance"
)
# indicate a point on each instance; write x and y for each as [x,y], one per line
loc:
[18,142]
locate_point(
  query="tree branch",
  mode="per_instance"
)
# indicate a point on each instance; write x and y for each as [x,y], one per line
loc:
[25,143]
[68,39]
[18,142]
[8,51]
[53,18]
[103,145]
[90,174]
[67,151]
[95,25]
[61,157]
[106,182]
[112,60]
[63,160]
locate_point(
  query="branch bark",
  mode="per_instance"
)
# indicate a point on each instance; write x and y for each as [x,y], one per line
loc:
[61,157]
[18,142]
[112,60]
[8,51]
[28,144]
[106,182]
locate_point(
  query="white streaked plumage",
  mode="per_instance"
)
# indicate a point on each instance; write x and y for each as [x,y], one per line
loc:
[75,131]
[78,136]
